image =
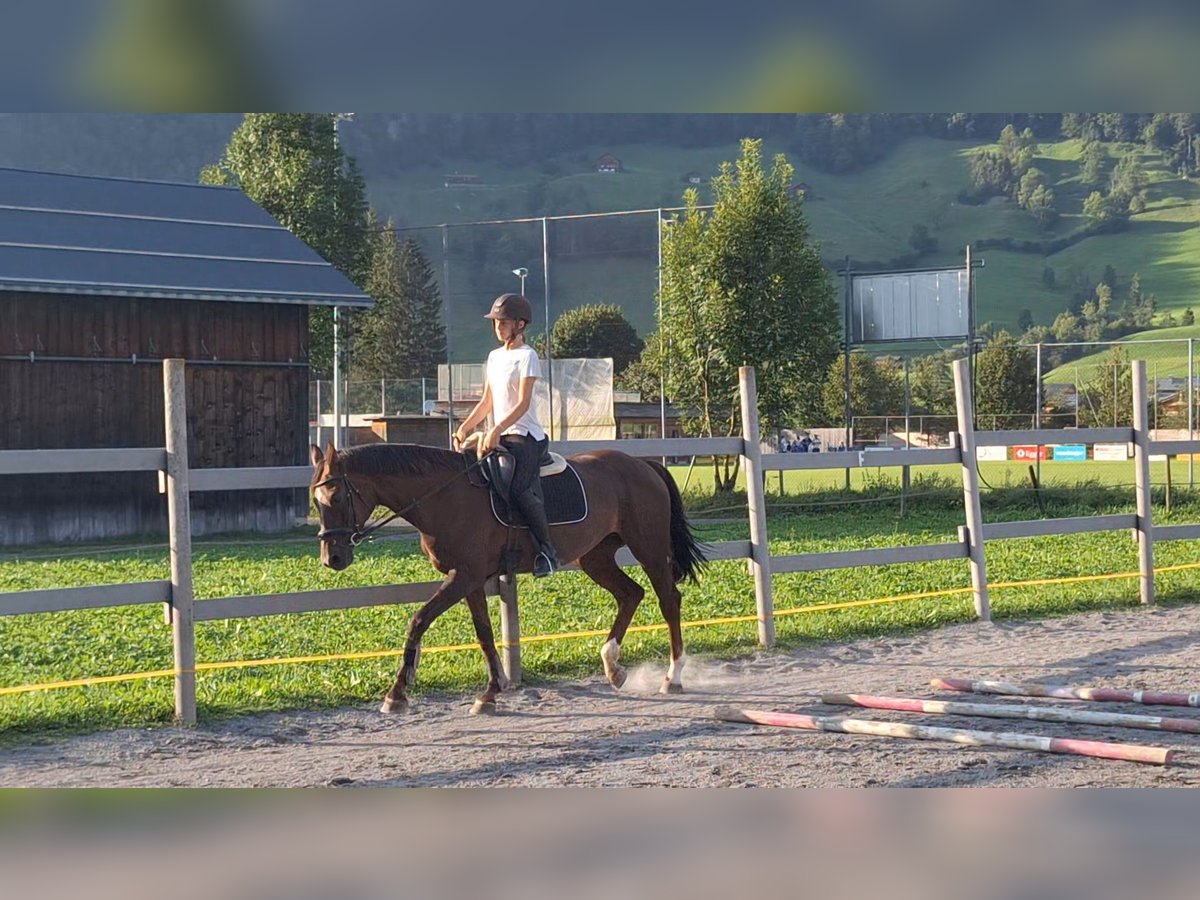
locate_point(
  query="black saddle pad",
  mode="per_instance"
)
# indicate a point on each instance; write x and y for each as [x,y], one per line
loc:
[563,494]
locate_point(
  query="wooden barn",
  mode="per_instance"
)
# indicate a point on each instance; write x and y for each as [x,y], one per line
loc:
[103,278]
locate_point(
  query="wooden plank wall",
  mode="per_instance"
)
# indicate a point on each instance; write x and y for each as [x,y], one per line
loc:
[239,415]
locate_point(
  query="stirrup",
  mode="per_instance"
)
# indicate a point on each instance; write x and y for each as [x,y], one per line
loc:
[544,564]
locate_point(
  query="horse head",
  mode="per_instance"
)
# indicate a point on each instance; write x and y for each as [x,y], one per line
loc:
[340,507]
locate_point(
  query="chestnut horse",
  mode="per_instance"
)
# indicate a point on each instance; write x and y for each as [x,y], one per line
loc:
[631,502]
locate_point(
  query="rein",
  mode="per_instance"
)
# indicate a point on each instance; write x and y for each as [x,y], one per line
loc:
[358,535]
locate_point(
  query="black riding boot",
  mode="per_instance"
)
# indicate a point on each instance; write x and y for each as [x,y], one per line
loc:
[534,510]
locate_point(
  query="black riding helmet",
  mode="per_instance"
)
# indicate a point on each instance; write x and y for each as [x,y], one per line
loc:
[511,306]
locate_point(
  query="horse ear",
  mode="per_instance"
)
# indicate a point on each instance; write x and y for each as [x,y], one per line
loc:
[314,455]
[330,452]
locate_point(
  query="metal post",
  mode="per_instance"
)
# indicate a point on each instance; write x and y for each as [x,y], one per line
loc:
[449,355]
[510,629]
[971,331]
[1141,456]
[382,397]
[317,437]
[760,553]
[973,533]
[549,344]
[904,471]
[183,631]
[1154,389]
[1191,402]
[847,330]
[337,378]
[1037,410]
[662,372]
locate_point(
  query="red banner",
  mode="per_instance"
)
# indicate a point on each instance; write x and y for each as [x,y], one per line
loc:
[1031,453]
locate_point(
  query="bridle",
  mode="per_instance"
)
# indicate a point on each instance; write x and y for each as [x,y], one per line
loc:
[356,534]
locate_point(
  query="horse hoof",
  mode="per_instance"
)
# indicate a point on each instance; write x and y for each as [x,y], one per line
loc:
[484,707]
[670,687]
[394,707]
[617,678]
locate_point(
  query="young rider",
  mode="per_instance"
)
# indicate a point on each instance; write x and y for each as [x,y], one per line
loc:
[512,371]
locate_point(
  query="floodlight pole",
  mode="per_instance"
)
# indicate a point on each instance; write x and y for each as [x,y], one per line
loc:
[549,346]
[662,379]
[337,378]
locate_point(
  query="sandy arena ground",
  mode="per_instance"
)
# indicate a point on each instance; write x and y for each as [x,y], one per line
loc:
[584,733]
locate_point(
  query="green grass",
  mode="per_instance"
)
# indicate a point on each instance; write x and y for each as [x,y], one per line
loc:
[867,214]
[49,647]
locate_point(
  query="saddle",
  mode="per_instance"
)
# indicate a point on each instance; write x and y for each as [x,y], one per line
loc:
[561,487]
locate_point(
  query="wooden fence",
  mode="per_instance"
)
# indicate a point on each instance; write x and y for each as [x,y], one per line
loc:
[179,482]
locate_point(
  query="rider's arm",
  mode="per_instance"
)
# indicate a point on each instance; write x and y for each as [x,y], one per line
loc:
[477,415]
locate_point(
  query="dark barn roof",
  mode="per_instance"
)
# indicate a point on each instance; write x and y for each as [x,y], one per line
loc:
[77,234]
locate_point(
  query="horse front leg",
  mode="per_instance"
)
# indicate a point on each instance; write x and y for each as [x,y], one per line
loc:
[453,589]
[485,703]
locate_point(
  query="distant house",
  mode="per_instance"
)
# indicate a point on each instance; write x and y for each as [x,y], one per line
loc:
[457,180]
[608,163]
[693,178]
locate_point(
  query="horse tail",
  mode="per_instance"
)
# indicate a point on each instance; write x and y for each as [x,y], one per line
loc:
[687,553]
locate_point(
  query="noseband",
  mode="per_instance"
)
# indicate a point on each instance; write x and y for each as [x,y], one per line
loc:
[357,535]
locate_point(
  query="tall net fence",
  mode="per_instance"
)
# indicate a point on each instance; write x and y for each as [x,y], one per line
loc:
[567,261]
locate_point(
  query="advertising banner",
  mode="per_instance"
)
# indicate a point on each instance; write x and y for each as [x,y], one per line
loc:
[1029,453]
[1070,452]
[1110,452]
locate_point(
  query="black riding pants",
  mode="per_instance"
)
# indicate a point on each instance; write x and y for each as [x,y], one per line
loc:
[527,453]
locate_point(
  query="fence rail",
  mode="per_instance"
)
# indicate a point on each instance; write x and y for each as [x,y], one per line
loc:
[178,481]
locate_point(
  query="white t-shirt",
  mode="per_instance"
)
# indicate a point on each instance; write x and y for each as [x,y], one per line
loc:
[505,369]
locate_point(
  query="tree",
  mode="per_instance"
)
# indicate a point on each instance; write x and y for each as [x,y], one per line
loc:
[931,384]
[1025,320]
[1035,195]
[991,172]
[403,336]
[1101,211]
[874,391]
[1107,399]
[1188,317]
[644,374]
[744,286]
[1005,377]
[291,165]
[1094,158]
[1048,278]
[599,331]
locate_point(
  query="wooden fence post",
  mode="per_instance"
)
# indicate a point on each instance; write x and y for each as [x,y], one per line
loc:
[760,554]
[970,476]
[510,628]
[179,506]
[1141,464]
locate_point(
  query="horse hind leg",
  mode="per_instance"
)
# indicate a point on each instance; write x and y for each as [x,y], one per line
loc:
[670,602]
[600,564]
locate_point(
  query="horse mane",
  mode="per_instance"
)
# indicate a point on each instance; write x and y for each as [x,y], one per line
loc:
[399,459]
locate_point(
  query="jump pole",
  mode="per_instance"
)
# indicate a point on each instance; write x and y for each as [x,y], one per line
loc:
[1130,752]
[1062,692]
[998,711]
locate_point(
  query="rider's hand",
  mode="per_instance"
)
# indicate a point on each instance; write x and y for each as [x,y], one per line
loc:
[490,441]
[458,440]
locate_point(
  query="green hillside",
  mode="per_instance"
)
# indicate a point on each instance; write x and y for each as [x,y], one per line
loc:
[1164,349]
[868,214]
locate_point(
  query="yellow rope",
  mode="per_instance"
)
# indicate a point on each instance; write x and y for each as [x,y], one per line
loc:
[571,635]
